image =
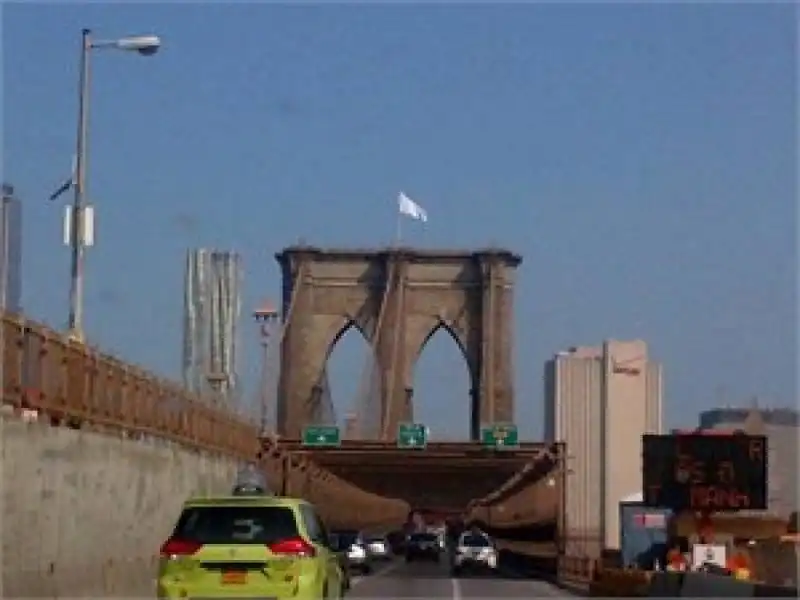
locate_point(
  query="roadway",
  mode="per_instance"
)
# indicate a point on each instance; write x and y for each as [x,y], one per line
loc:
[424,580]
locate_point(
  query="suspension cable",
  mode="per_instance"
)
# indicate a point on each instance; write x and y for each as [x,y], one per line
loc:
[399,314]
[287,318]
[373,362]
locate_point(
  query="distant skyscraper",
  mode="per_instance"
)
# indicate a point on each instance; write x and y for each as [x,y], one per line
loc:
[782,428]
[600,401]
[212,307]
[351,427]
[10,251]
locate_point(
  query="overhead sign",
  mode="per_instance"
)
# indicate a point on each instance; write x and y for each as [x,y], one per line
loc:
[412,435]
[500,435]
[705,472]
[321,435]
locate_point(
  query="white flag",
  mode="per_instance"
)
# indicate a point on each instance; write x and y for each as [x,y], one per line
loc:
[410,208]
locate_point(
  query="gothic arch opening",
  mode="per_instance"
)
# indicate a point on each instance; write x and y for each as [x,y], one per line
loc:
[442,382]
[350,378]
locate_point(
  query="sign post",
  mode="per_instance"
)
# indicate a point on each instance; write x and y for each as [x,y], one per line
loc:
[412,435]
[500,435]
[318,436]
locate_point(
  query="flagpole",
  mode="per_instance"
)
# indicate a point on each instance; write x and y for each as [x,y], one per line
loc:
[398,229]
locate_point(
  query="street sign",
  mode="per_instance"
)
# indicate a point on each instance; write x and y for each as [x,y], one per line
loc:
[321,435]
[500,435]
[412,435]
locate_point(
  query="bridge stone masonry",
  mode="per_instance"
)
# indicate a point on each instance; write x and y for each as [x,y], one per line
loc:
[397,298]
[98,454]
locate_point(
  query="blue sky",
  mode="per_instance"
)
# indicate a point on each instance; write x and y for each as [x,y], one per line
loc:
[642,159]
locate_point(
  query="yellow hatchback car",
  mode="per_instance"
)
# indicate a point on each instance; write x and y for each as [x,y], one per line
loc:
[249,545]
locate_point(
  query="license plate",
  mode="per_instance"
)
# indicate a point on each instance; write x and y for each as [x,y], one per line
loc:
[234,577]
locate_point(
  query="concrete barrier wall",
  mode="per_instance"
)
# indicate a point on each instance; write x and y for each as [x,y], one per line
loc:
[84,513]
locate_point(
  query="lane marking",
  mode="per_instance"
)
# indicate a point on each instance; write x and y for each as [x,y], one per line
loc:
[456,588]
[359,579]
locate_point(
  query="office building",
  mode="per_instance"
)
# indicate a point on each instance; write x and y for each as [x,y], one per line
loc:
[600,401]
[212,309]
[350,427]
[10,251]
[782,428]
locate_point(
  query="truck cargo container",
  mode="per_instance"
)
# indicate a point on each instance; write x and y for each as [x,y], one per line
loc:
[644,533]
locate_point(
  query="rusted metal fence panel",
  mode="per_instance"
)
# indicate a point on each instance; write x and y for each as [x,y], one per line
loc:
[78,386]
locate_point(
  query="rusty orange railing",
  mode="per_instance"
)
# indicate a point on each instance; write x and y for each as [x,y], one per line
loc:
[68,383]
[76,385]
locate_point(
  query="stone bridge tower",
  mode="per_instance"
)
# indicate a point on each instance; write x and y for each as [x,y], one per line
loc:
[398,298]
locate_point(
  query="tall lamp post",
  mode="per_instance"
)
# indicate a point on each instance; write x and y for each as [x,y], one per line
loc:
[265,317]
[146,45]
[5,266]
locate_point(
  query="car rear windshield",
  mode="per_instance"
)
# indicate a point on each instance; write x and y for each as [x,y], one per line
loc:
[236,524]
[476,541]
[347,537]
[423,537]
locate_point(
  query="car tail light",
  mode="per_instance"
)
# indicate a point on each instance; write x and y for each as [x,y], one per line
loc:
[175,547]
[295,546]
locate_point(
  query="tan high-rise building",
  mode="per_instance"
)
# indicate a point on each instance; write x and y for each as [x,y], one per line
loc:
[600,401]
[350,427]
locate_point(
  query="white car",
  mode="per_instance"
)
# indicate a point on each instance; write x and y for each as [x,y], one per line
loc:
[474,551]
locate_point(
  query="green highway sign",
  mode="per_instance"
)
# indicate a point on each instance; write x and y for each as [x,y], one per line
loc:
[500,435]
[321,435]
[412,435]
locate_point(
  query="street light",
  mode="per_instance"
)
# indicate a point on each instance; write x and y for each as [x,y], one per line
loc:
[266,316]
[146,45]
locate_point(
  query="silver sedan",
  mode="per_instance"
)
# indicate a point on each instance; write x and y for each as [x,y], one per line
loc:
[474,551]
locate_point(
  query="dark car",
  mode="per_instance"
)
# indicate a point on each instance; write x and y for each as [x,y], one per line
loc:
[397,542]
[341,554]
[350,545]
[423,546]
[378,547]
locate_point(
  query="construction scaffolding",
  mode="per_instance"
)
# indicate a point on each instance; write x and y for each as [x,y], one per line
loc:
[212,307]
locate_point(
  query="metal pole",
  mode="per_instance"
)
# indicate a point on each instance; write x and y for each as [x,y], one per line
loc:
[75,325]
[8,194]
[264,380]
[8,199]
